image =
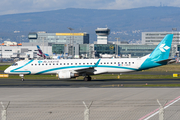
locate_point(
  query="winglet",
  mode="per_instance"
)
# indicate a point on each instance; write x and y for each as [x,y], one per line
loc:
[96,64]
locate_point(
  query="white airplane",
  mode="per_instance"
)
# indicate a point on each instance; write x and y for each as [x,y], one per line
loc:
[71,68]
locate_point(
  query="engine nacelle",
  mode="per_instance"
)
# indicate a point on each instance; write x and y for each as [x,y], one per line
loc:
[67,75]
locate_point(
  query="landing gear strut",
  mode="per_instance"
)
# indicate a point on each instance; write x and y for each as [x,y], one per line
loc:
[22,77]
[87,78]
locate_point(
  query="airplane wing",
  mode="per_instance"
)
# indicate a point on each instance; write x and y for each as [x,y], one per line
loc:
[88,70]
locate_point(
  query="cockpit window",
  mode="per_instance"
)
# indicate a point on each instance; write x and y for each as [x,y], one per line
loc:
[15,64]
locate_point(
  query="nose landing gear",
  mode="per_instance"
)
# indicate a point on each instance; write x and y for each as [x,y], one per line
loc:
[22,76]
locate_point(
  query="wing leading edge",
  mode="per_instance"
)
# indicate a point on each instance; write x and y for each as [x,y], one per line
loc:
[88,69]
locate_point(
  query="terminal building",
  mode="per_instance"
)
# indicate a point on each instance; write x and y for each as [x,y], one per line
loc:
[77,45]
[154,38]
[59,38]
[94,50]
[23,52]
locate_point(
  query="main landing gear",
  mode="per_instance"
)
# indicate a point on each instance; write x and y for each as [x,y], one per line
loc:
[22,77]
[87,78]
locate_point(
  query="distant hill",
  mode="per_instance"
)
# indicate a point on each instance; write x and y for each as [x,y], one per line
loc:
[126,24]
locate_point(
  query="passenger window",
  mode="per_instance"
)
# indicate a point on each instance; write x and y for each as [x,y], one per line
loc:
[60,63]
[125,62]
[46,64]
[87,63]
[104,63]
[83,63]
[101,62]
[132,62]
[75,63]
[39,64]
[42,64]
[67,63]
[111,62]
[118,62]
[71,63]
[57,64]
[35,64]
[32,64]
[114,62]
[107,62]
[129,62]
[49,64]
[53,64]
[91,63]
[64,63]
[79,63]
[122,62]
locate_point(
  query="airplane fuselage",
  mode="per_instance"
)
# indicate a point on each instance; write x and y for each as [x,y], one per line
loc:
[54,66]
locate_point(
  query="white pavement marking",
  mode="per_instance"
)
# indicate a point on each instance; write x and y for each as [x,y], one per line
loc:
[153,113]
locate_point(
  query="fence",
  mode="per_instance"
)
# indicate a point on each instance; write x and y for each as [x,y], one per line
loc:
[90,110]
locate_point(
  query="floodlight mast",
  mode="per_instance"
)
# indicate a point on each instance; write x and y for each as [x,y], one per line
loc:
[117,45]
[1,49]
[72,43]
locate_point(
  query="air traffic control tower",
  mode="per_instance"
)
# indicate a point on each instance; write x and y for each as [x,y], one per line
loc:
[102,35]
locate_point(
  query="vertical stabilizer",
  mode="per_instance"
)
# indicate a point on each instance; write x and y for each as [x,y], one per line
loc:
[40,52]
[160,54]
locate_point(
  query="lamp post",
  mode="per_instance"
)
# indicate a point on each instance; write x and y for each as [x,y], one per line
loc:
[117,45]
[72,42]
[1,49]
[177,52]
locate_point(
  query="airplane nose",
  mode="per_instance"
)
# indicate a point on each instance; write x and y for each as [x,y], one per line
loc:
[6,71]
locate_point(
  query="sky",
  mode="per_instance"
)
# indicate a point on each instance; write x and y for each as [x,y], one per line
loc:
[26,6]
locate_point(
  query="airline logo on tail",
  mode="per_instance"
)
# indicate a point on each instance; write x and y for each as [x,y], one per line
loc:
[160,55]
[41,54]
[162,48]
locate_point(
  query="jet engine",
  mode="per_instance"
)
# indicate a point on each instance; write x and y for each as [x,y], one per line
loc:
[67,75]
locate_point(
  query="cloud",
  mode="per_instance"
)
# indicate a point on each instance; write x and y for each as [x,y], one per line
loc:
[23,6]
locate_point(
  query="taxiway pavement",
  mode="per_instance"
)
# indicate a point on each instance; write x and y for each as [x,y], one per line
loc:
[108,103]
[80,83]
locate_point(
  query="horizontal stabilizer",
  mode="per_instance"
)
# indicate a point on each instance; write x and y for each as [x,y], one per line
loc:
[165,61]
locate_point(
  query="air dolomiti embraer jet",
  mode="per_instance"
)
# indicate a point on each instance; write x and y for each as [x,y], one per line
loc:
[71,68]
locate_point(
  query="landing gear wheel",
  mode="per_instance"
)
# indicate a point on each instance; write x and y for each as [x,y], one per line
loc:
[88,78]
[85,78]
[22,77]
